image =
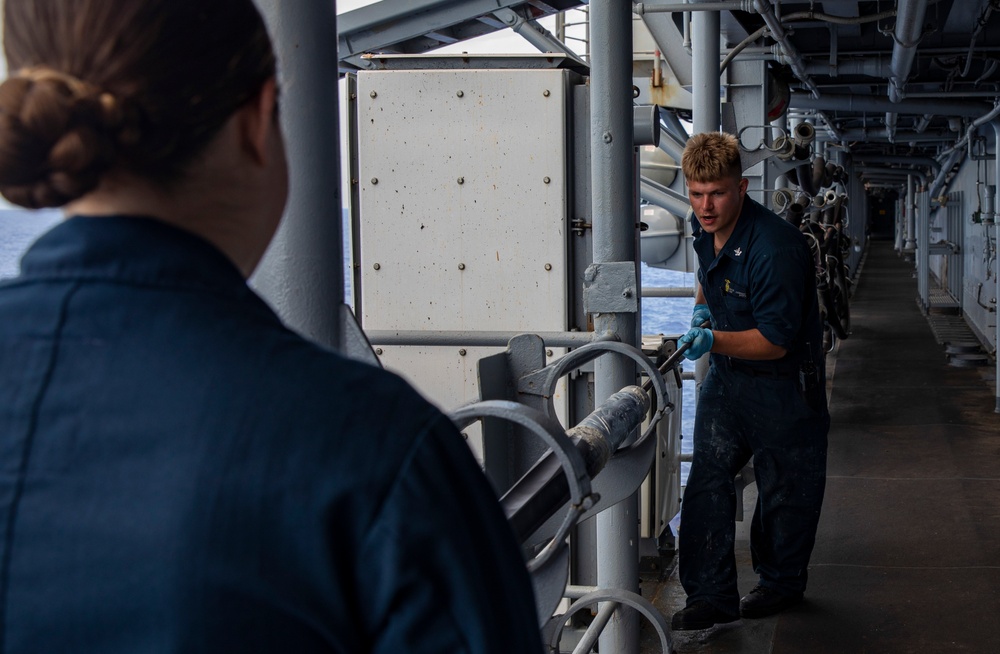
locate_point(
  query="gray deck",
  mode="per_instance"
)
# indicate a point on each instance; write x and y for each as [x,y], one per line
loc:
[908,552]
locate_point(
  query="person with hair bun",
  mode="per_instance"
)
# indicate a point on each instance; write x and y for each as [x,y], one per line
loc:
[179,472]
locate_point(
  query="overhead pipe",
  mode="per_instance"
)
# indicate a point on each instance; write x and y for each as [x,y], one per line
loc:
[879,105]
[907,34]
[880,171]
[874,135]
[890,126]
[910,160]
[672,43]
[875,66]
[642,8]
[778,33]
[954,156]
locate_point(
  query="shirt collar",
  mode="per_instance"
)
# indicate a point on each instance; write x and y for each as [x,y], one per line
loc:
[132,249]
[736,247]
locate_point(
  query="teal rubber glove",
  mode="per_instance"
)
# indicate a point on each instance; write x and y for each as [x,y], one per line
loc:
[701,340]
[701,314]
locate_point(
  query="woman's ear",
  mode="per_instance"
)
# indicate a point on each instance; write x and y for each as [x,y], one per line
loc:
[257,120]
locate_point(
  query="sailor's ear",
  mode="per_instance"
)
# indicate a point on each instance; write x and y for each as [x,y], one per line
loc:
[257,118]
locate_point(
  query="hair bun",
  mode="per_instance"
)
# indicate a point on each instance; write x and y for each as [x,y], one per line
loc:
[59,136]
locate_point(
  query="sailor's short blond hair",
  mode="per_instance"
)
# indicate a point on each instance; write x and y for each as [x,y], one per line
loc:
[710,157]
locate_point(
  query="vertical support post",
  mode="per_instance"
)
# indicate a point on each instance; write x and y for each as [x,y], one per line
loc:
[911,215]
[996,273]
[706,92]
[302,274]
[705,84]
[615,235]
[899,227]
[922,208]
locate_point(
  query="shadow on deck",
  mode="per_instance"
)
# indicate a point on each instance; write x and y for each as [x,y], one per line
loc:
[907,558]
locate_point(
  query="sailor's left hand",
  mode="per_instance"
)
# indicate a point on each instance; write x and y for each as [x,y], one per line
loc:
[700,340]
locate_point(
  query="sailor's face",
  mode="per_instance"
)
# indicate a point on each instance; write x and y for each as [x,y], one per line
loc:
[717,205]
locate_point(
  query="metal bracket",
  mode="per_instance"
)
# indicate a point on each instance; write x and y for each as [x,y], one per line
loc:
[543,382]
[625,470]
[610,288]
[569,457]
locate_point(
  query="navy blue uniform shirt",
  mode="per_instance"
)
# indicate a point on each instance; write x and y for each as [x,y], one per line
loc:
[181,473]
[763,278]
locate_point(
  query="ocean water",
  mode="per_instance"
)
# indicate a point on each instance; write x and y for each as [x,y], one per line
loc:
[20,228]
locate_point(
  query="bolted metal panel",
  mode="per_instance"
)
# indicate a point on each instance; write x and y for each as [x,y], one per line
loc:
[464,195]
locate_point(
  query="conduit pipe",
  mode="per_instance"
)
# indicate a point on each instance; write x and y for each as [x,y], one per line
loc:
[954,157]
[868,66]
[907,33]
[872,104]
[908,160]
[976,124]
[890,126]
[641,8]
[872,135]
[778,33]
[879,171]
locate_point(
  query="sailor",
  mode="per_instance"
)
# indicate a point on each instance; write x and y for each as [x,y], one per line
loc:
[764,396]
[180,472]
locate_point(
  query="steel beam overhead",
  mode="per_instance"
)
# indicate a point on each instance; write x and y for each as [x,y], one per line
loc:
[417,26]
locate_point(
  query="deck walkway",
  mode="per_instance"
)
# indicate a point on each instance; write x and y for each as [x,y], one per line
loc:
[908,552]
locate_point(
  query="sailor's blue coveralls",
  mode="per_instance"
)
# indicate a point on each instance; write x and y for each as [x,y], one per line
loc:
[181,473]
[775,411]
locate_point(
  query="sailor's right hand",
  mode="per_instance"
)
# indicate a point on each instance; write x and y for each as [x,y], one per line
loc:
[700,315]
[700,340]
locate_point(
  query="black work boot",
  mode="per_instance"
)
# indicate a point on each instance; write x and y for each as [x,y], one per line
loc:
[699,615]
[763,601]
